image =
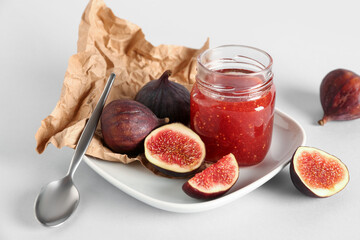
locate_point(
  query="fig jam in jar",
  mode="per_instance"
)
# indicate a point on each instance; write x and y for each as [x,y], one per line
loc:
[232,103]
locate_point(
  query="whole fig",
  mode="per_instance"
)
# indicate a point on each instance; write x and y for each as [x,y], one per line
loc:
[166,99]
[126,123]
[340,96]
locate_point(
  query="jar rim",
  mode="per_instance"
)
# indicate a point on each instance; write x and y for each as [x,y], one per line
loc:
[266,71]
[266,68]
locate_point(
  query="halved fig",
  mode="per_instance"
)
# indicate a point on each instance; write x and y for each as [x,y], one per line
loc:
[215,180]
[317,173]
[175,150]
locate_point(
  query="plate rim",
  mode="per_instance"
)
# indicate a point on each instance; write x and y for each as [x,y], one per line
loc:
[201,205]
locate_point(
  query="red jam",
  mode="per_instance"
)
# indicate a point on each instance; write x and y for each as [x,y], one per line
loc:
[239,125]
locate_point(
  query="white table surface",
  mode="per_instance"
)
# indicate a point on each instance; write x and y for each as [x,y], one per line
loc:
[307,39]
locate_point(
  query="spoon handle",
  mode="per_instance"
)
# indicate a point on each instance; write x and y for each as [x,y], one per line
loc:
[89,129]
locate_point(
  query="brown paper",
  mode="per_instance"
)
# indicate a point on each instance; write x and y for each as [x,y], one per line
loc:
[109,44]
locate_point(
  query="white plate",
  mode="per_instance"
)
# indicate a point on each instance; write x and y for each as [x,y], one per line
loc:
[167,194]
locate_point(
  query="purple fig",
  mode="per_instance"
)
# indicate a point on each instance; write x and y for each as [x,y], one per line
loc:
[340,96]
[126,123]
[166,98]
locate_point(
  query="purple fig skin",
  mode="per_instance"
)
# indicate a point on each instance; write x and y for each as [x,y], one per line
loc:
[166,98]
[177,174]
[340,96]
[125,124]
[194,193]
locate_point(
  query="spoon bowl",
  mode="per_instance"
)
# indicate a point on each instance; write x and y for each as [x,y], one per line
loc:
[56,202]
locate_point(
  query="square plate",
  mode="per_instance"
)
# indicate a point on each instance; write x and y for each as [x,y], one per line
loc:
[167,194]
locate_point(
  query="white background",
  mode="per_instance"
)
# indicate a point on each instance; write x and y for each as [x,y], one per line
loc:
[307,39]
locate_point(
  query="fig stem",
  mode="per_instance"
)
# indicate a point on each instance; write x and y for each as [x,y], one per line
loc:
[165,76]
[322,121]
[163,121]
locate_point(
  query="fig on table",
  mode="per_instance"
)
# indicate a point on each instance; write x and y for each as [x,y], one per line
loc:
[317,173]
[340,96]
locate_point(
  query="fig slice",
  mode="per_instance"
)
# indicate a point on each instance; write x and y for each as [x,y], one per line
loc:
[317,173]
[215,180]
[175,150]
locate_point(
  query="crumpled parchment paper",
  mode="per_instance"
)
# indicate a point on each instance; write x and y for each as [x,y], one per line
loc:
[109,44]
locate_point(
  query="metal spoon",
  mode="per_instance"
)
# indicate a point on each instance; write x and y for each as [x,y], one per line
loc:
[59,199]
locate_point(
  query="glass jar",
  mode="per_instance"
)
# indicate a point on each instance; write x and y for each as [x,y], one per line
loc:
[232,103]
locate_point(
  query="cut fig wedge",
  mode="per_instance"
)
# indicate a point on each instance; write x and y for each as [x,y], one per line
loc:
[215,180]
[317,173]
[175,150]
